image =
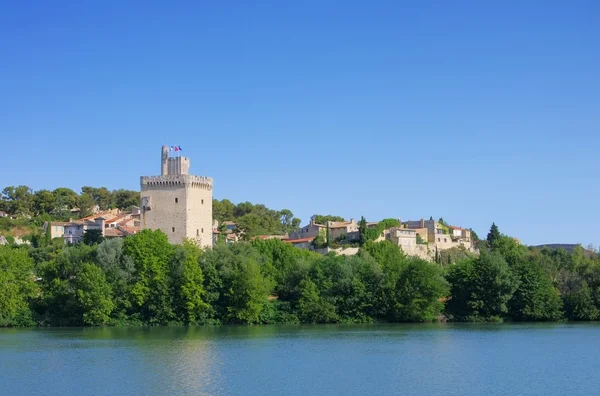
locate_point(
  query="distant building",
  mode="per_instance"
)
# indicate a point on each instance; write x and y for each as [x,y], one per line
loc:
[74,231]
[337,229]
[177,203]
[440,236]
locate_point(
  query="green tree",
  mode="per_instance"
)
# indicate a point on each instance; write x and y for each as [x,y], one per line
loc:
[480,288]
[323,219]
[535,298]
[125,199]
[85,203]
[151,253]
[17,286]
[101,196]
[94,295]
[362,231]
[119,270]
[579,304]
[92,236]
[17,200]
[248,293]
[44,202]
[418,292]
[312,308]
[493,235]
[187,282]
[58,303]
[289,222]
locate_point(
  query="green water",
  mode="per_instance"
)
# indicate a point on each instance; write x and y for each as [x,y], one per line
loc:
[540,359]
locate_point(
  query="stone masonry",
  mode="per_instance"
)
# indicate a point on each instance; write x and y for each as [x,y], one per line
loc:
[177,203]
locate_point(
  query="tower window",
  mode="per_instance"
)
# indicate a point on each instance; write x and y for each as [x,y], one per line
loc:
[197,232]
[202,230]
[202,201]
[176,200]
[173,229]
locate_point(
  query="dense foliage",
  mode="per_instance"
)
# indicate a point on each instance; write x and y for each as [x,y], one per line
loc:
[254,220]
[371,234]
[62,202]
[145,280]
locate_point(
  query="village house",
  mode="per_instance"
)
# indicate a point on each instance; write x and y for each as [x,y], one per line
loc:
[74,231]
[311,230]
[337,230]
[439,235]
[113,223]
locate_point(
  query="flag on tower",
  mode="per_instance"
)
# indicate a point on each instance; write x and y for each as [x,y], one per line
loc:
[176,148]
[179,147]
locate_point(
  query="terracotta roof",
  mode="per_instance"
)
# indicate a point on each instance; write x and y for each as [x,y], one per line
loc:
[113,232]
[457,228]
[95,216]
[129,230]
[59,223]
[118,217]
[299,240]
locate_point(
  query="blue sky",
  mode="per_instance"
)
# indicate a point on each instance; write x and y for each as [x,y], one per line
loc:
[463,110]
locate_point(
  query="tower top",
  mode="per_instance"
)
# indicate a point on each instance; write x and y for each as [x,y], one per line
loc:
[173,166]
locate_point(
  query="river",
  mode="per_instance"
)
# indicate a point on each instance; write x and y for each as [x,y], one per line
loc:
[439,359]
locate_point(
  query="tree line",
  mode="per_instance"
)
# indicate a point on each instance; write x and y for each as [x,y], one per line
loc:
[145,280]
[254,219]
[31,208]
[60,203]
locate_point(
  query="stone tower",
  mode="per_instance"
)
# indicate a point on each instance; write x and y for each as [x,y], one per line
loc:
[177,203]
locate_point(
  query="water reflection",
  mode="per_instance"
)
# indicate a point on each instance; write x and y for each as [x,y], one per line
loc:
[297,360]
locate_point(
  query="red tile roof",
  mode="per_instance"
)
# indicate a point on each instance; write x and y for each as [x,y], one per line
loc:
[129,230]
[112,232]
[299,240]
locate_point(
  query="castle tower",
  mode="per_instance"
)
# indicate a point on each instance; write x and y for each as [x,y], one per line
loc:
[178,203]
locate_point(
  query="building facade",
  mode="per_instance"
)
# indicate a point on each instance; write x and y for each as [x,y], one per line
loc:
[177,203]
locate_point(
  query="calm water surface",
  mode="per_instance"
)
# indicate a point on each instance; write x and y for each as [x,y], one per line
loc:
[546,359]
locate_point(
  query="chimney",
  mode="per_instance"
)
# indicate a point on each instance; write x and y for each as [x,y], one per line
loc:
[422,223]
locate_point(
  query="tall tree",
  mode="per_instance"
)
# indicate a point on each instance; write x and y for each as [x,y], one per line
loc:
[17,286]
[151,253]
[362,231]
[18,200]
[94,295]
[187,279]
[125,199]
[480,288]
[92,236]
[493,235]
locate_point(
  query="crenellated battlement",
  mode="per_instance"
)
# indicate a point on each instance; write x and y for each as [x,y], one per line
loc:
[176,181]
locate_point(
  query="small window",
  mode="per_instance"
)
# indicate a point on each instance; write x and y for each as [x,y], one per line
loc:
[176,200]
[173,229]
[444,239]
[197,232]
[202,229]
[439,240]
[202,201]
